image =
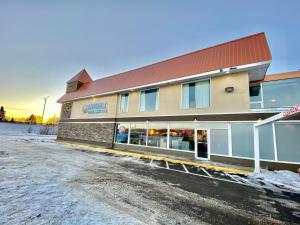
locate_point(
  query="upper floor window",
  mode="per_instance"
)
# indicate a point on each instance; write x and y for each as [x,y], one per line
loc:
[196,95]
[149,100]
[255,92]
[124,102]
[281,93]
[275,94]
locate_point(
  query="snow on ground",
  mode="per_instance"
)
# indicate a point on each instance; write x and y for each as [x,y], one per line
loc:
[24,129]
[278,180]
[36,184]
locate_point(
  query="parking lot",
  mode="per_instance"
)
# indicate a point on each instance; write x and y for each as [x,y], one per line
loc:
[43,182]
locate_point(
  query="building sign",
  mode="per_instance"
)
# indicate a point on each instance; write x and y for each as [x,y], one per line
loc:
[292,111]
[95,108]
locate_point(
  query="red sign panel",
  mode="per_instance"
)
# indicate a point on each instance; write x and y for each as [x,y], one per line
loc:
[292,111]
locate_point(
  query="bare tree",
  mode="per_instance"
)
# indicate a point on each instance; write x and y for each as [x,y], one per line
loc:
[2,114]
[31,119]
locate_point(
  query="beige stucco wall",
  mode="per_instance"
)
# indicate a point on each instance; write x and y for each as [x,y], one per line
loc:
[170,100]
[111,101]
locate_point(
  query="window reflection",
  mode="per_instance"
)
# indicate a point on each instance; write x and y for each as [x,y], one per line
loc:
[182,137]
[281,93]
[157,135]
[138,133]
[122,133]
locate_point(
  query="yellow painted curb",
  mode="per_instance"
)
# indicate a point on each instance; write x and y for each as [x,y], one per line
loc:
[139,155]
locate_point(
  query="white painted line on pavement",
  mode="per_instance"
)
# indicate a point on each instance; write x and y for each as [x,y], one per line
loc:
[233,178]
[205,172]
[184,167]
[209,177]
[167,164]
[151,162]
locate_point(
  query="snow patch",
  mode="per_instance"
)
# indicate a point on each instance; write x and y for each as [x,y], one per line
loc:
[278,180]
[7,129]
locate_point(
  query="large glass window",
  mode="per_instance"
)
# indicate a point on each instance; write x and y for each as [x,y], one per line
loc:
[219,141]
[182,136]
[242,139]
[149,100]
[124,102]
[281,93]
[288,141]
[266,142]
[138,133]
[157,135]
[122,133]
[196,95]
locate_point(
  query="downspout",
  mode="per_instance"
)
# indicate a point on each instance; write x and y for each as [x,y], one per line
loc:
[115,123]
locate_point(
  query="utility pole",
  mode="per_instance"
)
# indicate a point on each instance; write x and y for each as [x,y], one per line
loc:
[45,101]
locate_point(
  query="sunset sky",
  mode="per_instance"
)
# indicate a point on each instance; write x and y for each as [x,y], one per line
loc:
[45,43]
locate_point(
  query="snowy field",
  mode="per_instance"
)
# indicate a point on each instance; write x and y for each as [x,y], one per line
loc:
[42,182]
[24,129]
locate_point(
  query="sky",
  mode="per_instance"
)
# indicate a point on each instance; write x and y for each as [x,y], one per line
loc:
[45,43]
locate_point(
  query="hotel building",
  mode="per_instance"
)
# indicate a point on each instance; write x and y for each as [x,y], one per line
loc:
[201,105]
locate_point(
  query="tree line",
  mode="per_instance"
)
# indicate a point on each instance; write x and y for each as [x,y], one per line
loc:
[32,119]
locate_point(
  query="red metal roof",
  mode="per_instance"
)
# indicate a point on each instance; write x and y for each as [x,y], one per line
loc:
[282,76]
[247,50]
[82,76]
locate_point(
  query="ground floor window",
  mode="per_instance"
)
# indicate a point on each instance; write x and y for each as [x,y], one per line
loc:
[122,133]
[266,142]
[158,135]
[182,137]
[219,141]
[288,141]
[242,140]
[138,133]
[277,142]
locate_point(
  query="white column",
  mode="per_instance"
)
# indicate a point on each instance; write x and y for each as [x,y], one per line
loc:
[168,135]
[229,140]
[274,142]
[129,130]
[256,150]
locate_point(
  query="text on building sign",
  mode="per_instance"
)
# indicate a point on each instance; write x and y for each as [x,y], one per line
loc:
[94,108]
[292,111]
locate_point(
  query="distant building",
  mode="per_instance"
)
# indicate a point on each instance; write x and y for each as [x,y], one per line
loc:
[202,104]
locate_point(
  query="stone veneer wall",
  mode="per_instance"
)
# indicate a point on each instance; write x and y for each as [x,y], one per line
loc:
[66,109]
[72,86]
[95,133]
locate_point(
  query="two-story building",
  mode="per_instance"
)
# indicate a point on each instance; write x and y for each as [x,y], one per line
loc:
[202,104]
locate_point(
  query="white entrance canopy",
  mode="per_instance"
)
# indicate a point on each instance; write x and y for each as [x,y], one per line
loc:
[283,115]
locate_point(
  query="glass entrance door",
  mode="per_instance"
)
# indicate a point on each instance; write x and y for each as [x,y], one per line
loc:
[202,143]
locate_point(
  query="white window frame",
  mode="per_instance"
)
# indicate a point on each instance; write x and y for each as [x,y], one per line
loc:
[120,107]
[196,142]
[261,102]
[157,99]
[195,81]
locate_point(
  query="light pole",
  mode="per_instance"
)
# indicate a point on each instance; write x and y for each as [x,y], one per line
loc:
[45,101]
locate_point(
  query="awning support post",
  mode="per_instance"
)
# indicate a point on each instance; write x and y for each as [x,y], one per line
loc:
[256,150]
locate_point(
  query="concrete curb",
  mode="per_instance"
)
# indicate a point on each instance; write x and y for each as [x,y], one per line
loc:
[139,155]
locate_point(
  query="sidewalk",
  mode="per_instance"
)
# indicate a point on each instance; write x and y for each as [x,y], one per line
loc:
[170,159]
